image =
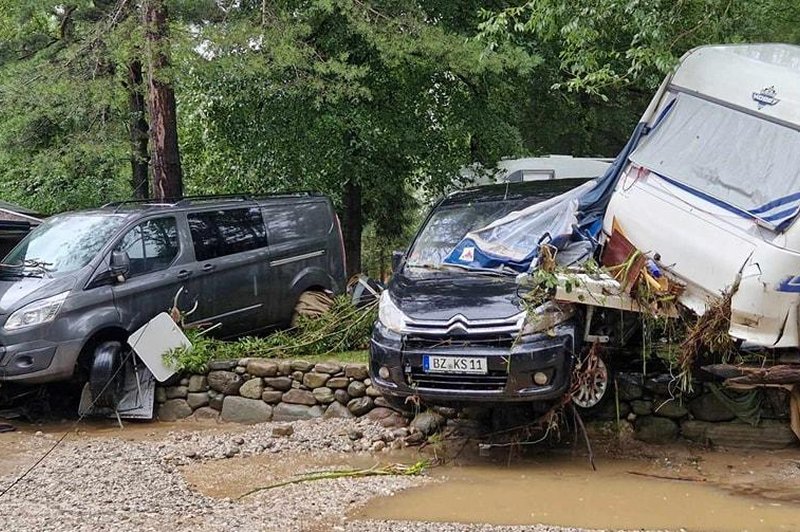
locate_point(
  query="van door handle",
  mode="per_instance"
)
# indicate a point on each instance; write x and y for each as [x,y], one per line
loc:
[184,274]
[208,267]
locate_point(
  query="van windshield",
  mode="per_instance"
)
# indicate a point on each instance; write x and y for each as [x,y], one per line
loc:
[449,224]
[64,243]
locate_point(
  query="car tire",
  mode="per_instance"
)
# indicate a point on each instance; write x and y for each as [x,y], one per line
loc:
[311,304]
[107,375]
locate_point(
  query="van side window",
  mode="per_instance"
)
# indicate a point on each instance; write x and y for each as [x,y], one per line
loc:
[225,232]
[299,220]
[151,245]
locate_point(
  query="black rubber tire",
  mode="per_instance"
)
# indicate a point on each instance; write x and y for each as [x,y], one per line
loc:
[107,376]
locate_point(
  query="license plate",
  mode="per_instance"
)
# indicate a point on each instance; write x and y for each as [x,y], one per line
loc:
[464,365]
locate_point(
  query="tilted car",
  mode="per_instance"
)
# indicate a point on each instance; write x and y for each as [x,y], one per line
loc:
[450,335]
[81,282]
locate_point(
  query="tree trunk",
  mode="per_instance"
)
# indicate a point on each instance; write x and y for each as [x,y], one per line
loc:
[140,159]
[167,176]
[351,226]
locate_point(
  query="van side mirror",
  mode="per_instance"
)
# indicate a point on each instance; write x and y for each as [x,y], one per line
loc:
[120,264]
[397,259]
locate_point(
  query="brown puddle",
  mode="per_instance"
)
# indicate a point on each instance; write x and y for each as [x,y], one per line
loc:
[558,490]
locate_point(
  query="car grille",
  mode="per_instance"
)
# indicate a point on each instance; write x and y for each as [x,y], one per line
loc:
[460,326]
[497,341]
[494,381]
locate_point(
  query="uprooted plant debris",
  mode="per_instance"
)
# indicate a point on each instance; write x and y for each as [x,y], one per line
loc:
[672,333]
[344,327]
[377,470]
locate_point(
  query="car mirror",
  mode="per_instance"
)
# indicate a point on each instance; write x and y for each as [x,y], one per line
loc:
[398,257]
[120,264]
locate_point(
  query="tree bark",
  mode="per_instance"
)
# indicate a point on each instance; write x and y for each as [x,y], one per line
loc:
[351,226]
[165,158]
[140,158]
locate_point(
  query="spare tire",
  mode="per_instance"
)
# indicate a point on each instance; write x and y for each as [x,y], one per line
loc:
[107,376]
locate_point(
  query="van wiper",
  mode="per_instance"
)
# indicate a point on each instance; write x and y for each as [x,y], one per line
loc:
[481,271]
[27,268]
[37,268]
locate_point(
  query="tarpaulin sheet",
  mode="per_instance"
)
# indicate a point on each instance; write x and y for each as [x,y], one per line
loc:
[514,239]
[741,162]
[575,216]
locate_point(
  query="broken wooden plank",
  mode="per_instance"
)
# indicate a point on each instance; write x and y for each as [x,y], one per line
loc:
[599,290]
[779,374]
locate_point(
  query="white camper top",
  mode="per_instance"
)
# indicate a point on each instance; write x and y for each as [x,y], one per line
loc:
[550,167]
[761,78]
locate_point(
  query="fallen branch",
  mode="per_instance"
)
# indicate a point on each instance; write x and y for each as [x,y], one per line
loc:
[579,423]
[666,477]
[374,471]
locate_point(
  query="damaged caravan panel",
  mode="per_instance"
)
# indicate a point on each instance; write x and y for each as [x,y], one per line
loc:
[712,186]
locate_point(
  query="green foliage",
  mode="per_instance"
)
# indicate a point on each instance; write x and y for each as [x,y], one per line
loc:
[602,59]
[315,94]
[603,45]
[343,329]
[62,105]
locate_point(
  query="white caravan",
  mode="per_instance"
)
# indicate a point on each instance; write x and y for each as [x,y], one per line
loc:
[713,185]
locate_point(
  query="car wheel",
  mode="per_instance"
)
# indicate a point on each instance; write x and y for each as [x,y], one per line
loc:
[591,382]
[107,376]
[311,304]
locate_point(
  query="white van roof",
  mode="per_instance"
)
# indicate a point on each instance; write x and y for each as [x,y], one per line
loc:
[761,78]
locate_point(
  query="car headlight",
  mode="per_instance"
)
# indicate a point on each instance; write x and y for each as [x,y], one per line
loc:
[36,313]
[389,315]
[546,316]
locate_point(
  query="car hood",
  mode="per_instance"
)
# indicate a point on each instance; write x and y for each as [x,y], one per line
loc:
[15,293]
[439,295]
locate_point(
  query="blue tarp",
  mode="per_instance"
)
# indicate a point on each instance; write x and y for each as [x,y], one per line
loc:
[575,216]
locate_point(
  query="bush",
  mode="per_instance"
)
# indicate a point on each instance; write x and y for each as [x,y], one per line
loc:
[343,328]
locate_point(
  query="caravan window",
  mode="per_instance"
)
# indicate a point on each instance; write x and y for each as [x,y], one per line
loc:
[733,156]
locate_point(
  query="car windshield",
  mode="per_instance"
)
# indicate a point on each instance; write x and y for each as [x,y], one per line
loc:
[450,223]
[63,243]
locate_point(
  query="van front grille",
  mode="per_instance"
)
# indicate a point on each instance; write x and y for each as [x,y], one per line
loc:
[494,381]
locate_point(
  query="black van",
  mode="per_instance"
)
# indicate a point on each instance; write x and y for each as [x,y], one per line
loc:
[85,278]
[449,335]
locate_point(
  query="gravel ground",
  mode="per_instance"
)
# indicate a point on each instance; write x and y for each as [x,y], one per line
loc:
[416,526]
[148,478]
[99,483]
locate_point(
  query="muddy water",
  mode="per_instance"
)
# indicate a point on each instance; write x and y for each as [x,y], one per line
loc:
[563,491]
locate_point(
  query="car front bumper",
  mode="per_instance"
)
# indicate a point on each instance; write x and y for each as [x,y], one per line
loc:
[510,368]
[38,361]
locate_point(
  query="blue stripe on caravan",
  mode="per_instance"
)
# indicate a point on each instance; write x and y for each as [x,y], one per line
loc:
[776,203]
[711,199]
[790,284]
[783,215]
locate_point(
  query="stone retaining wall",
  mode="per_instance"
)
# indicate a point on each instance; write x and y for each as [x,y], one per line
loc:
[258,390]
[658,414]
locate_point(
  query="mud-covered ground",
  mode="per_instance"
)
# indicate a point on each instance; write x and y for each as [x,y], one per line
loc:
[197,476]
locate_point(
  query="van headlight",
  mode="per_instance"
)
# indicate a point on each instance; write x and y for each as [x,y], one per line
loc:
[389,315]
[546,316]
[36,313]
